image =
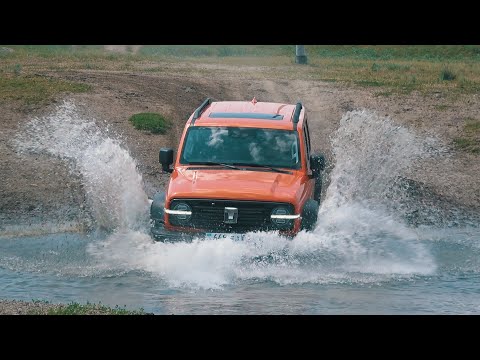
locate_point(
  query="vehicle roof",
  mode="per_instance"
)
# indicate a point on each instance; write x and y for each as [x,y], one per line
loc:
[244,113]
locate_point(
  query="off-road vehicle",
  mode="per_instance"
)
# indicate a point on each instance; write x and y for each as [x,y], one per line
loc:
[241,166]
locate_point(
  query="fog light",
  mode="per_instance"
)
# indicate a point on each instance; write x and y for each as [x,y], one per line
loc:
[180,214]
[277,217]
[282,218]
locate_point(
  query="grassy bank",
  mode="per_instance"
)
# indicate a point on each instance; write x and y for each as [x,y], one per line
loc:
[470,142]
[365,52]
[389,69]
[45,308]
[152,122]
[41,307]
[91,309]
[34,89]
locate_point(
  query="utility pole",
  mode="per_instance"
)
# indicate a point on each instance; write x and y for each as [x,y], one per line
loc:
[301,56]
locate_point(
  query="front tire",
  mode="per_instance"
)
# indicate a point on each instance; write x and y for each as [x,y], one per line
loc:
[157,206]
[317,193]
[157,214]
[310,214]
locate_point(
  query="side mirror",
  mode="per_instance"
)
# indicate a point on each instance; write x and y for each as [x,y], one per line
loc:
[165,158]
[317,163]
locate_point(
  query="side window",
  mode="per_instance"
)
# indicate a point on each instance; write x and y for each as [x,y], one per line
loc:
[295,152]
[307,132]
[306,141]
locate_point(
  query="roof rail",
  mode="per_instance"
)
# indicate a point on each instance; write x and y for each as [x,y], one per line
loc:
[296,114]
[200,109]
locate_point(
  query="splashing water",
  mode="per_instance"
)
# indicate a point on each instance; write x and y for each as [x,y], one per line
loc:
[373,158]
[360,236]
[357,238]
[371,154]
[112,184]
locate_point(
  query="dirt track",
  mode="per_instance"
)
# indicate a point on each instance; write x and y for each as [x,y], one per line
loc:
[35,189]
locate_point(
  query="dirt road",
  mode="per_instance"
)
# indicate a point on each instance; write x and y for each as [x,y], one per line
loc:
[36,189]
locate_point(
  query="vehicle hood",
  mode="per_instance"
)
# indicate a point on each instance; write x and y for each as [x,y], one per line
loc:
[215,183]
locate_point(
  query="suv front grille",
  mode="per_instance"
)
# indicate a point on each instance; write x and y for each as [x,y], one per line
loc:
[209,215]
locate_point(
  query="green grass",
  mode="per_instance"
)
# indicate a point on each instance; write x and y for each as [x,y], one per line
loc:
[17,70]
[92,309]
[442,107]
[366,52]
[329,80]
[472,126]
[470,141]
[216,50]
[447,75]
[468,145]
[85,309]
[358,52]
[35,89]
[369,83]
[400,52]
[394,69]
[383,93]
[153,122]
[390,66]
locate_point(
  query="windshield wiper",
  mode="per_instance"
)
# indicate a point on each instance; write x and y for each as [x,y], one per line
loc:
[265,167]
[214,163]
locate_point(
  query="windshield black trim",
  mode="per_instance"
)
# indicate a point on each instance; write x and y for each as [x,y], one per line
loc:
[231,115]
[243,168]
[212,163]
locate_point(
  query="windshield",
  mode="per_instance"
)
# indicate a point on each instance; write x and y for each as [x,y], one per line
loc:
[234,145]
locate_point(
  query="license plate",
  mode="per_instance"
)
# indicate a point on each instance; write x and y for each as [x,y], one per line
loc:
[234,237]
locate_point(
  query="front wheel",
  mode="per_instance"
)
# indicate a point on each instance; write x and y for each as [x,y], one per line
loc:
[317,192]
[157,206]
[310,214]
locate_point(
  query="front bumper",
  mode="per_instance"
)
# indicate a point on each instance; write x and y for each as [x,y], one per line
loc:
[159,233]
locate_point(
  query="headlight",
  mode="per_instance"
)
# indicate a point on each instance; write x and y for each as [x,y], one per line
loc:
[282,218]
[180,214]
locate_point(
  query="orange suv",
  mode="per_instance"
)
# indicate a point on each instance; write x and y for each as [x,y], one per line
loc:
[241,166]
